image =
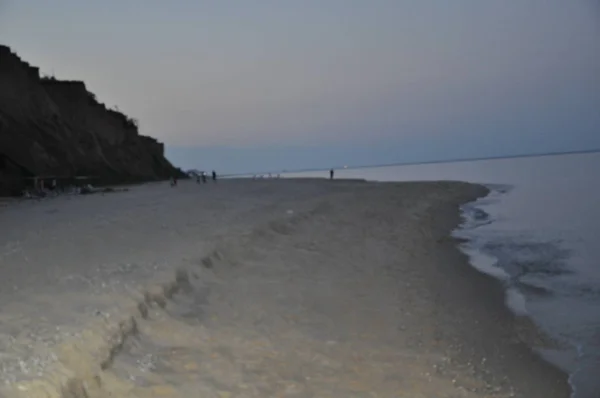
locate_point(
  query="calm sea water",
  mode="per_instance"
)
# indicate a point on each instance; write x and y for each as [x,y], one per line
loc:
[538,232]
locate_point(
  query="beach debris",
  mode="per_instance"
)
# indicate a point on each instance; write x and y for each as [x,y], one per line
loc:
[87,189]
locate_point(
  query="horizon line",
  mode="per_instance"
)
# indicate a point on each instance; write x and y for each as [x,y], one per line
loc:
[455,160]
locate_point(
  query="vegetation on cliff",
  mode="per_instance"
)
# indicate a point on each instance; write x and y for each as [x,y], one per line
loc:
[58,129]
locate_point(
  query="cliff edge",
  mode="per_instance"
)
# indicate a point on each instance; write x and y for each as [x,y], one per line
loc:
[57,129]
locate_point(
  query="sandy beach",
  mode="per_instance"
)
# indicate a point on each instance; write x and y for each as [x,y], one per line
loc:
[273,288]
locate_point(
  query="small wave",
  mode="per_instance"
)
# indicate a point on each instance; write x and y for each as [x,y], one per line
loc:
[484,263]
[473,217]
[520,257]
[516,301]
[533,287]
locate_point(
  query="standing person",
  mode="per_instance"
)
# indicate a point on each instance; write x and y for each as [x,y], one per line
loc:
[331,174]
[214,176]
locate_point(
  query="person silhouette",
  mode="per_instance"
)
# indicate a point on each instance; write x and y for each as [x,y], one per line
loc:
[331,174]
[214,176]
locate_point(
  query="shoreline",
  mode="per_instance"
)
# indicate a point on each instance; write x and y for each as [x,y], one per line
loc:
[256,280]
[539,341]
[511,325]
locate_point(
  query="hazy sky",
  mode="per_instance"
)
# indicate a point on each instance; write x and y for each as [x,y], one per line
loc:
[263,84]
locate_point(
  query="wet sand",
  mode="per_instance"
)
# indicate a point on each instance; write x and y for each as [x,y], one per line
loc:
[273,288]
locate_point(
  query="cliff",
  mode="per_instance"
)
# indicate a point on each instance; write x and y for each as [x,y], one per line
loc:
[57,128]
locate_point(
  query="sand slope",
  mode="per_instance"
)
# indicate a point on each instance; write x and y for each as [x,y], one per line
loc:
[255,289]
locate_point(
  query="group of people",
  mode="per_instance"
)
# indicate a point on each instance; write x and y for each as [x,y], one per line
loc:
[199,178]
[202,177]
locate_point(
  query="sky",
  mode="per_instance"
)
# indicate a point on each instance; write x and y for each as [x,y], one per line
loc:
[266,85]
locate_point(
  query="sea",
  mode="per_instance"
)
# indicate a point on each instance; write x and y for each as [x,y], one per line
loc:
[538,233]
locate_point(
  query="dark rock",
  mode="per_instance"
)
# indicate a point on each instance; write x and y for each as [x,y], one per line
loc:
[58,130]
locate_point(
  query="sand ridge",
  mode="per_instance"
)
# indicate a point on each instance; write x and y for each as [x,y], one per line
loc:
[299,289]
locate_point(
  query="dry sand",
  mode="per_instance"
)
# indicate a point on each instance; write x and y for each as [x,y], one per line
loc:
[274,288]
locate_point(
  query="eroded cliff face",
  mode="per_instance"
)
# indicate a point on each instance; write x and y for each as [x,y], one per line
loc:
[58,128]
